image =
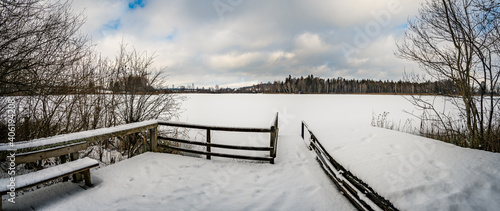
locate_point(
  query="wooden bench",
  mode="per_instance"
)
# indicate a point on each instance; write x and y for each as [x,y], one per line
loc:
[25,181]
[77,167]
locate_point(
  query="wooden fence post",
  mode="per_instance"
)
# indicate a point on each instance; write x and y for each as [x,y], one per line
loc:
[153,137]
[272,144]
[209,141]
[302,130]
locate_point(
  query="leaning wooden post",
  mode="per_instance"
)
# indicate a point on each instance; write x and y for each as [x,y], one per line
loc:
[208,141]
[153,137]
[272,144]
[276,132]
[302,130]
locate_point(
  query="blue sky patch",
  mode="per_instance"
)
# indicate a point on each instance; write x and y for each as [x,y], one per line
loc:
[136,4]
[171,36]
[402,26]
[110,26]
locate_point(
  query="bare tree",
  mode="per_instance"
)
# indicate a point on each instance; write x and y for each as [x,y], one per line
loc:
[39,41]
[135,84]
[62,86]
[459,40]
[135,97]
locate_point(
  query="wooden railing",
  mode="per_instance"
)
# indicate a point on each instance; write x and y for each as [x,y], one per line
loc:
[272,148]
[62,145]
[362,196]
[38,149]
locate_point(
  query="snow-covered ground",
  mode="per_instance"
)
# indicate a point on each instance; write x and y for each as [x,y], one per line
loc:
[414,173]
[155,181]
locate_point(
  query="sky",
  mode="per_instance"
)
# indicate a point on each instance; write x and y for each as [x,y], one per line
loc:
[234,43]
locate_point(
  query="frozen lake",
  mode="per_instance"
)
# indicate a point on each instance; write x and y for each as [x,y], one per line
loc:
[259,109]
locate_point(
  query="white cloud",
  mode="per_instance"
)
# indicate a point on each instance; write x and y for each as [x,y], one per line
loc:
[257,40]
[356,61]
[280,56]
[310,44]
[233,60]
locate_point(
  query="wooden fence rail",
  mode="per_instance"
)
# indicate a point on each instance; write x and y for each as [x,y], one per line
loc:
[38,149]
[362,196]
[273,130]
[69,143]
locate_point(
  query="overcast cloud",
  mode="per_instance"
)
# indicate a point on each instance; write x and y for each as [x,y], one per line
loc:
[241,42]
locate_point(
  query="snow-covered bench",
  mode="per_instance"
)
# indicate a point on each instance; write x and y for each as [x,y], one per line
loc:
[24,181]
[82,167]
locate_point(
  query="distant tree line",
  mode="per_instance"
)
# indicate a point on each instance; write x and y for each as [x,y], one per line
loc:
[316,85]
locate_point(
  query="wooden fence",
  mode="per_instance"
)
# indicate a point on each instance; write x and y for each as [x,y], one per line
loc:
[272,148]
[38,149]
[362,196]
[69,146]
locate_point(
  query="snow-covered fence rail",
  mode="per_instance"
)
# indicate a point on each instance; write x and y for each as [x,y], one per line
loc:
[273,130]
[83,136]
[362,196]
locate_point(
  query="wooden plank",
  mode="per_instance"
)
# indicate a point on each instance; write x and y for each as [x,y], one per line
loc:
[51,152]
[119,133]
[218,154]
[216,145]
[217,128]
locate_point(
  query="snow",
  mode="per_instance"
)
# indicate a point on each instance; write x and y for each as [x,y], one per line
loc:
[74,136]
[416,173]
[412,172]
[156,181]
[48,173]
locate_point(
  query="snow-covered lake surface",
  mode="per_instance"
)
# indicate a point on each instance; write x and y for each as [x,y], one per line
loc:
[414,173]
